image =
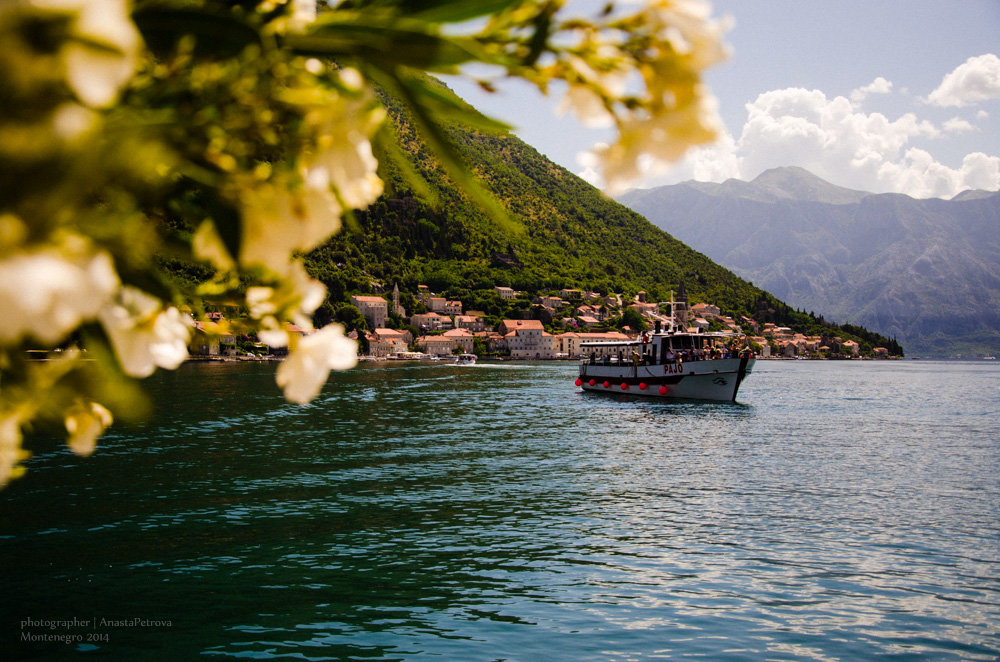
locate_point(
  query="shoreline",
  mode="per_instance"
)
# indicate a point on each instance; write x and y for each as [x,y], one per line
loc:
[380,360]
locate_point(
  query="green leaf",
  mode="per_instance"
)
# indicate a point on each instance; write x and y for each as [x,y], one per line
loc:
[227,224]
[388,151]
[455,11]
[449,107]
[387,39]
[220,34]
[409,88]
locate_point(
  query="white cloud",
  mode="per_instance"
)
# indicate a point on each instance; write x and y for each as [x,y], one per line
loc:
[878,86]
[922,177]
[980,171]
[975,80]
[710,163]
[829,137]
[833,138]
[714,163]
[957,125]
[589,161]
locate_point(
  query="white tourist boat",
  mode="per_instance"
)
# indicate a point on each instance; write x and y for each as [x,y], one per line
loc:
[668,364]
[466,359]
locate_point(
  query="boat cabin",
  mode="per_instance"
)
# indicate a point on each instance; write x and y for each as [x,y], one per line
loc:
[662,348]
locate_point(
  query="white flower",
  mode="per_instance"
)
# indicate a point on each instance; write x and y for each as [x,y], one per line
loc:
[143,336]
[307,292]
[278,221]
[85,422]
[343,158]
[46,294]
[589,89]
[303,373]
[303,13]
[271,332]
[10,448]
[296,298]
[348,165]
[70,121]
[587,105]
[207,245]
[259,301]
[671,43]
[103,50]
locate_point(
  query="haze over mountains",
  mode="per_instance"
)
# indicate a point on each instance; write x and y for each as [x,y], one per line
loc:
[924,271]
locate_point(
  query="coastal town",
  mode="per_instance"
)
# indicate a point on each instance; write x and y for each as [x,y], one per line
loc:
[442,328]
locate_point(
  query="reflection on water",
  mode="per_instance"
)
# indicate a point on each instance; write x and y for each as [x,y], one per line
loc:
[495,512]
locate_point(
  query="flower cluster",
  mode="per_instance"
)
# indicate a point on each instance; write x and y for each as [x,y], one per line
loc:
[236,137]
[638,72]
[81,220]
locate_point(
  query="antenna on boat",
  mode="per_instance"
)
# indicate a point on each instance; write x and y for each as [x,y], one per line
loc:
[673,314]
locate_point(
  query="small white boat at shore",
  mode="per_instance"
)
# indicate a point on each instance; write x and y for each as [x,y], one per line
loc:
[411,356]
[466,359]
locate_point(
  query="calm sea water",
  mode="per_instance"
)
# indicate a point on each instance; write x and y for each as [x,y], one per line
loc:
[839,511]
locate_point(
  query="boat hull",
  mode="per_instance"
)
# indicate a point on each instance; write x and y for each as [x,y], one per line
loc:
[715,379]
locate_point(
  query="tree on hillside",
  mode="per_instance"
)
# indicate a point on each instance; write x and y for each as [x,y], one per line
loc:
[633,319]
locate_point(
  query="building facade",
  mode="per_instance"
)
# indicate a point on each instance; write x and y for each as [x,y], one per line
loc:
[374,309]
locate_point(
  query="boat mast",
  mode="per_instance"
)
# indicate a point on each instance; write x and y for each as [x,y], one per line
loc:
[673,314]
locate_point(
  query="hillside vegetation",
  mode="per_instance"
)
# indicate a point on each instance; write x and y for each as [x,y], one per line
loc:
[559,232]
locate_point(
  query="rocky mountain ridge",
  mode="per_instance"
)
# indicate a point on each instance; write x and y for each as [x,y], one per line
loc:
[924,271]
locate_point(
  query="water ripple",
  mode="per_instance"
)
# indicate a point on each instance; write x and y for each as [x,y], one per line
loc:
[497,513]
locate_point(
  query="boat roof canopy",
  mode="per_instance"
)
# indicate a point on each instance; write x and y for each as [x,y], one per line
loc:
[653,337]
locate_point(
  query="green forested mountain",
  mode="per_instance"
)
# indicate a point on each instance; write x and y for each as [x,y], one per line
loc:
[560,232]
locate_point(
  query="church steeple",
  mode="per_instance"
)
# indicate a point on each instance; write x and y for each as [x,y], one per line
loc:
[396,308]
[680,311]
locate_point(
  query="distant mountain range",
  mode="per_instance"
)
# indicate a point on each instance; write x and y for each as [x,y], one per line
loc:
[926,272]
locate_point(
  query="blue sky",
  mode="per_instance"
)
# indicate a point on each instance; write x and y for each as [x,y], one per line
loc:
[877,95]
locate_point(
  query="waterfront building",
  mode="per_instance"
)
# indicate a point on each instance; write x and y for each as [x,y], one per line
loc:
[470,322]
[437,345]
[524,338]
[571,343]
[431,321]
[206,341]
[462,337]
[374,309]
[386,342]
[494,342]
